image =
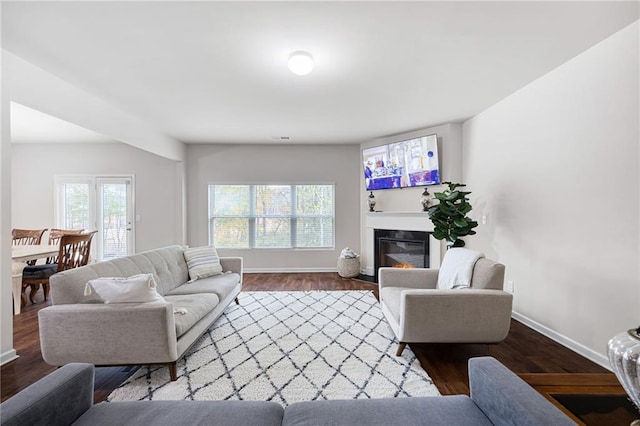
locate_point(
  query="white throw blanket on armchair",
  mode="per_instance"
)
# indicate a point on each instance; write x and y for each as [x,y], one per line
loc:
[457,268]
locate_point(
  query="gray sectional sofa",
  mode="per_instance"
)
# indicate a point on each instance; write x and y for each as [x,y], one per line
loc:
[81,328]
[498,397]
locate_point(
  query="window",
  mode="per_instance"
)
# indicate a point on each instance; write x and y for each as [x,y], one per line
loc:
[271,216]
[102,203]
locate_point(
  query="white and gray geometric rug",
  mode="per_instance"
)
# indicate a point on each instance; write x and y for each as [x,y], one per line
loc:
[288,347]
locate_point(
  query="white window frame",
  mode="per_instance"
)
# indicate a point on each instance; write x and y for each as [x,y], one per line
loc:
[95,204]
[252,216]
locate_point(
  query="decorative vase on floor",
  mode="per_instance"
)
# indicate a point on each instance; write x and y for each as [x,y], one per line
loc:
[624,356]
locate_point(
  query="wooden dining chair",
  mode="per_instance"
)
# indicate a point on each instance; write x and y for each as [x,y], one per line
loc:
[38,275]
[54,239]
[27,237]
[75,250]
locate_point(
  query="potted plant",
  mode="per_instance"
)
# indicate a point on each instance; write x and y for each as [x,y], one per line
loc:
[449,216]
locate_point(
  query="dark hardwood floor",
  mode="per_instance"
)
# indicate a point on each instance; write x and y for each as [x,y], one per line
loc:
[524,350]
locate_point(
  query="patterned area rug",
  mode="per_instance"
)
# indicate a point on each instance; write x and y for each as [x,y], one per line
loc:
[288,347]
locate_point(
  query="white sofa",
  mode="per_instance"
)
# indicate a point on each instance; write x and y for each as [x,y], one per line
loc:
[80,328]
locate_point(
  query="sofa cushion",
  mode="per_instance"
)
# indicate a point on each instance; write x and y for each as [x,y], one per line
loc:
[456,410]
[57,399]
[190,309]
[222,285]
[139,288]
[220,413]
[202,262]
[506,399]
[166,264]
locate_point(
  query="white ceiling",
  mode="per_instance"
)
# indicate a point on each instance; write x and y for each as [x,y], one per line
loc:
[216,71]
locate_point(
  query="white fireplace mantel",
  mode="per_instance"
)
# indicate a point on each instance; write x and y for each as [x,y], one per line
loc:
[405,221]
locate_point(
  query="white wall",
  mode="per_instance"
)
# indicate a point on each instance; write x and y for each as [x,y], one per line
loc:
[7,352]
[339,164]
[408,199]
[554,167]
[157,191]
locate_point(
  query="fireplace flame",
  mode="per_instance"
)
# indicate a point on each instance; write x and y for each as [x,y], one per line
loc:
[403,265]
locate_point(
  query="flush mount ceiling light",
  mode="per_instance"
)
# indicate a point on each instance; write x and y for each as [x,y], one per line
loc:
[300,63]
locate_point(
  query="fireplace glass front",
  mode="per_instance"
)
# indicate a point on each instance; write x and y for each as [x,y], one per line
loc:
[401,249]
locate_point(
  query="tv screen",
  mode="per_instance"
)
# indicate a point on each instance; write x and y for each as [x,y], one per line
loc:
[413,162]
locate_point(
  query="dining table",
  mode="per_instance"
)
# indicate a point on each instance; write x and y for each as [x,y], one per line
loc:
[20,255]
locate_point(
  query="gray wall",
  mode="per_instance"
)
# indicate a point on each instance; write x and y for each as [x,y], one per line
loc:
[339,164]
[156,179]
[554,167]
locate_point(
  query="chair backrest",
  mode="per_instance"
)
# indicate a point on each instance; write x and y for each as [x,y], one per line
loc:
[74,250]
[27,237]
[487,274]
[56,233]
[54,238]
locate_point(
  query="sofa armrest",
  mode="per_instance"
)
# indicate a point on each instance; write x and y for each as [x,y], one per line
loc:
[57,399]
[233,264]
[408,277]
[506,399]
[455,316]
[109,334]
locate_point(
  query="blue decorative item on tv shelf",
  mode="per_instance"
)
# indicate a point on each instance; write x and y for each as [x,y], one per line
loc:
[408,163]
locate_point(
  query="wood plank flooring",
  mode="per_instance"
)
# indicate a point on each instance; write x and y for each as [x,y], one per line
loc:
[524,350]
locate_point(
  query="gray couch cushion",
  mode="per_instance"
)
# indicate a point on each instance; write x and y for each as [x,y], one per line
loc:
[57,399]
[166,264]
[506,399]
[222,285]
[456,410]
[195,307]
[220,413]
[487,274]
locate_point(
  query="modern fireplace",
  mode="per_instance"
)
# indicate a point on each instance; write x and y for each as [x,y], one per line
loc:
[400,249]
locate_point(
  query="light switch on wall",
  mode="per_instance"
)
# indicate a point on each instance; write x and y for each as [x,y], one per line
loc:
[510,286]
[484,219]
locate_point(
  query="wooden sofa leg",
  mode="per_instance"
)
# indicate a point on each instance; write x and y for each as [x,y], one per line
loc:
[237,301]
[173,370]
[401,347]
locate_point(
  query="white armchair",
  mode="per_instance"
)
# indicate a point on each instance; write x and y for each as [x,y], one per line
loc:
[419,312]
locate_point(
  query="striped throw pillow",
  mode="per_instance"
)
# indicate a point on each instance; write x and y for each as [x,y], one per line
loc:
[202,262]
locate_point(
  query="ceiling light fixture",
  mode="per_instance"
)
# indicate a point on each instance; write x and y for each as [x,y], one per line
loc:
[301,63]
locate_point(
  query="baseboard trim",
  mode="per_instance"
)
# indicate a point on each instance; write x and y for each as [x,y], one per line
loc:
[565,341]
[8,356]
[288,270]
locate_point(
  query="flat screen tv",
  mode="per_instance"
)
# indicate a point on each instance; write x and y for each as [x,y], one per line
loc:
[412,162]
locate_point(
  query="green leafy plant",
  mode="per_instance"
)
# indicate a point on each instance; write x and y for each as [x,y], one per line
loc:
[449,216]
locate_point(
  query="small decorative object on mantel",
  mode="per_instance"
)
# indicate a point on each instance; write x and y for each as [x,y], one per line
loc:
[449,216]
[425,200]
[624,357]
[372,202]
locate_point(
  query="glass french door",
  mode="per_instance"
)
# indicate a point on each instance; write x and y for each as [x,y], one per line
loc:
[99,203]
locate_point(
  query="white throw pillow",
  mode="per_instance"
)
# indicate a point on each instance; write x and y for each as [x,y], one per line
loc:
[136,289]
[202,262]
